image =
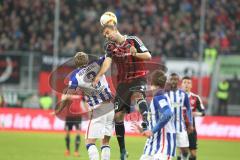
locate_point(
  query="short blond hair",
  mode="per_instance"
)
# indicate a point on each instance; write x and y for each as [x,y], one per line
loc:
[81,59]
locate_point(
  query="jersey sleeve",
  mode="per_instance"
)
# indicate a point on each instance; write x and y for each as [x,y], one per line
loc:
[165,113]
[161,103]
[108,47]
[101,60]
[138,44]
[188,107]
[73,83]
[200,107]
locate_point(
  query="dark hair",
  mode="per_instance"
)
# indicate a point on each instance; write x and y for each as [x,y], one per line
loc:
[174,74]
[158,78]
[186,77]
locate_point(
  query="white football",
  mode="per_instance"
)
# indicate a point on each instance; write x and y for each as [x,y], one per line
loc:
[108,18]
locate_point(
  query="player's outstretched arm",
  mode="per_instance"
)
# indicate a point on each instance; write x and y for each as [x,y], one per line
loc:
[65,100]
[105,66]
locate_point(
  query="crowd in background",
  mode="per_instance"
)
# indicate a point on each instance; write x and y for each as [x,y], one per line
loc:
[169,28]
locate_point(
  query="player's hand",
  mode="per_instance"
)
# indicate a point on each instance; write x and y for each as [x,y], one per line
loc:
[147,133]
[196,114]
[133,51]
[95,81]
[190,129]
[52,113]
[136,127]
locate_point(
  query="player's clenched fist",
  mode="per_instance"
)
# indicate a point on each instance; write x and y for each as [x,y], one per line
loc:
[133,51]
[147,133]
[95,81]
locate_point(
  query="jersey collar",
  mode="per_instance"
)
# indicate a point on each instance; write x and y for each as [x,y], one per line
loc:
[159,92]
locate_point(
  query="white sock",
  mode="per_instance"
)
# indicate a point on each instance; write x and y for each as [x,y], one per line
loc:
[106,152]
[92,152]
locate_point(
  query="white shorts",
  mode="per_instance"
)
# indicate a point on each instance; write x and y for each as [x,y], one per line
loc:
[146,157]
[156,157]
[182,139]
[161,157]
[101,122]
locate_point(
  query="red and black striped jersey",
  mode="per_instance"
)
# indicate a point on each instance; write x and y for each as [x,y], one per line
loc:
[128,66]
[196,105]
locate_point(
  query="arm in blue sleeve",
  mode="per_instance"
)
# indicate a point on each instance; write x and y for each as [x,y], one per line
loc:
[188,107]
[166,115]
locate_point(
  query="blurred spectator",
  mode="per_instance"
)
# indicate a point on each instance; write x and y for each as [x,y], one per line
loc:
[223,96]
[171,28]
[1,101]
[46,101]
[234,94]
[11,99]
[210,56]
[31,102]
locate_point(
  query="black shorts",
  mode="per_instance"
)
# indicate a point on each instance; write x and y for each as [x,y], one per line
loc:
[192,137]
[73,122]
[122,101]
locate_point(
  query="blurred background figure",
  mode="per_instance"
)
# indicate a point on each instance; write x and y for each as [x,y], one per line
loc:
[234,94]
[32,102]
[223,96]
[69,124]
[46,101]
[1,101]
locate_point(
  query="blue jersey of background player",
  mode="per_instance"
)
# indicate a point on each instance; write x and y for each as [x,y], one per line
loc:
[179,102]
[161,135]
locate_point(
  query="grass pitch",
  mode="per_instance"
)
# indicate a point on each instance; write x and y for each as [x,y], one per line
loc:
[51,146]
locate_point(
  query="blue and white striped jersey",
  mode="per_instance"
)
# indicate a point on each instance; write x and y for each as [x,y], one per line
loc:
[164,140]
[179,101]
[83,77]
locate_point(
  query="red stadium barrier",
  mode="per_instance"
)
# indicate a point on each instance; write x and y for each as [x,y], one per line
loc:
[208,127]
[28,119]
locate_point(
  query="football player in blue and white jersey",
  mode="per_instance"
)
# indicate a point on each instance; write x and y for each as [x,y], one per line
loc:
[179,102]
[99,101]
[161,142]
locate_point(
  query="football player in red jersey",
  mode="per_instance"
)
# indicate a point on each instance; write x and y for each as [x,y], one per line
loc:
[197,110]
[129,54]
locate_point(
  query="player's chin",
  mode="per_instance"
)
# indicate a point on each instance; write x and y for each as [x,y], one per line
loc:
[112,39]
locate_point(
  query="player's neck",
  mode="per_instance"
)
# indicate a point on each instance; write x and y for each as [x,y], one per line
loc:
[156,89]
[121,39]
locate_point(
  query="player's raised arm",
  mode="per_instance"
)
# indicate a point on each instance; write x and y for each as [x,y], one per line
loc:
[138,49]
[143,56]
[105,66]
